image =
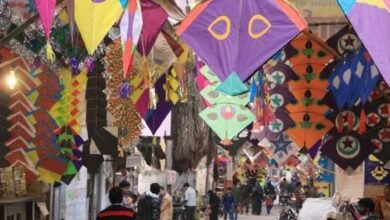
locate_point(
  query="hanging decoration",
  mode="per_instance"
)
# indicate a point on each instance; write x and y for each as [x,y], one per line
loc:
[126,118]
[227,115]
[377,121]
[345,146]
[282,148]
[375,172]
[353,79]
[153,17]
[95,18]
[214,30]
[102,139]
[308,111]
[47,155]
[46,10]
[131,26]
[69,114]
[375,23]
[276,74]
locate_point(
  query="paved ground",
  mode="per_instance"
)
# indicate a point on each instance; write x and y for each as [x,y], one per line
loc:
[273,216]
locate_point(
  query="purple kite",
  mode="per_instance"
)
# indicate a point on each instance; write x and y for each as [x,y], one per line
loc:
[235,37]
[371,21]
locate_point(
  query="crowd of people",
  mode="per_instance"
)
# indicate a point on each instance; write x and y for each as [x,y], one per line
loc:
[157,203]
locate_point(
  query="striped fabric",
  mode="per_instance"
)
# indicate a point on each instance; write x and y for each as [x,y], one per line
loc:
[116,212]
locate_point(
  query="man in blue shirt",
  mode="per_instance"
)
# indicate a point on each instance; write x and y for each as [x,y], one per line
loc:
[229,205]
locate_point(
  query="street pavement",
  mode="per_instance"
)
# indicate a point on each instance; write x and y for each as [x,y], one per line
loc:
[273,216]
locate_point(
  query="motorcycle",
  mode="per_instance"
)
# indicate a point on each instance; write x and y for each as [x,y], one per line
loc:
[284,196]
[289,211]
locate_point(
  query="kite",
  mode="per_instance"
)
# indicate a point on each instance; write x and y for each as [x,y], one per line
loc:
[353,80]
[345,146]
[372,29]
[282,148]
[311,55]
[131,26]
[153,17]
[377,121]
[235,37]
[345,42]
[46,10]
[126,118]
[155,118]
[227,115]
[95,18]
[375,172]
[276,76]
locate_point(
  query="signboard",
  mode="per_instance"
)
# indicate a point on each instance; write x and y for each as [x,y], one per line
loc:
[171,177]
[76,197]
[133,161]
[148,177]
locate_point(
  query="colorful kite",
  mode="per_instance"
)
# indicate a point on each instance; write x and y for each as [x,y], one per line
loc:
[372,29]
[377,121]
[353,80]
[311,55]
[131,26]
[345,42]
[375,172]
[46,10]
[345,146]
[227,115]
[282,148]
[95,18]
[153,17]
[277,74]
[235,37]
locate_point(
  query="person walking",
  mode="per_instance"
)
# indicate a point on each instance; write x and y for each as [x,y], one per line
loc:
[228,205]
[149,204]
[246,191]
[237,193]
[270,196]
[257,198]
[214,202]
[125,187]
[116,211]
[299,195]
[199,205]
[190,201]
[166,209]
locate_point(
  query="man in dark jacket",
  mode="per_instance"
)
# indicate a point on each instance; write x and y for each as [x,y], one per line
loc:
[149,204]
[116,211]
[257,197]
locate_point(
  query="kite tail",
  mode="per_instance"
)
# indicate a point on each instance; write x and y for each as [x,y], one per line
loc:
[49,52]
[362,123]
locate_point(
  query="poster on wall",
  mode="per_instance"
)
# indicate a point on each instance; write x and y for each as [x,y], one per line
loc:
[76,197]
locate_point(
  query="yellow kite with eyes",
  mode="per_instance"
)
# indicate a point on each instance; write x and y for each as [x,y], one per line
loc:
[94,18]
